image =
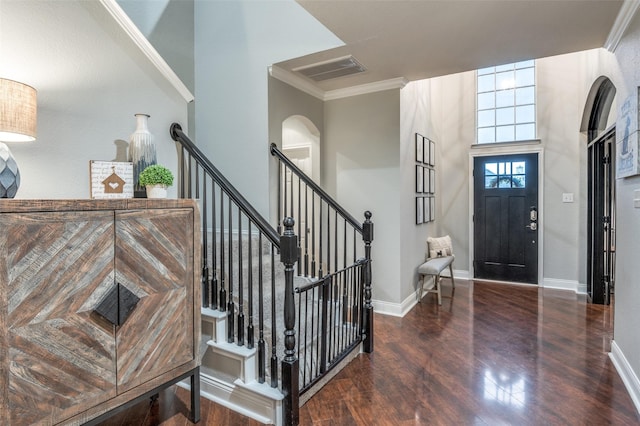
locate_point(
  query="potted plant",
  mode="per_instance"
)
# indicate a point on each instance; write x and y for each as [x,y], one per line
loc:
[156,179]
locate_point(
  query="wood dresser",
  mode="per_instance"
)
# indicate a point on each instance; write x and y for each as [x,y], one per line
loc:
[99,306]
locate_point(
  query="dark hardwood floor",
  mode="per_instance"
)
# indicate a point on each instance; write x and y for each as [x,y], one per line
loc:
[493,354]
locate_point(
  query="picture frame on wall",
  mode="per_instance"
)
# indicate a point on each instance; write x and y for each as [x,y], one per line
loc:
[419,210]
[432,209]
[426,181]
[427,209]
[419,148]
[425,149]
[420,179]
[432,153]
[432,181]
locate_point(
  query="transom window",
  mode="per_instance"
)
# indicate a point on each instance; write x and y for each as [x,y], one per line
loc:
[505,174]
[506,103]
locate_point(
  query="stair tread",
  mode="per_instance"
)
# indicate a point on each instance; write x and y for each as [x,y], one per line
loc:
[232,348]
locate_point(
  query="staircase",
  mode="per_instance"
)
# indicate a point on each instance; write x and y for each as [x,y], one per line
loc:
[274,333]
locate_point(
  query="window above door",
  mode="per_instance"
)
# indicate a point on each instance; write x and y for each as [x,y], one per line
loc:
[506,103]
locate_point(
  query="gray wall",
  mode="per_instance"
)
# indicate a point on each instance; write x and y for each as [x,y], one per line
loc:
[87,96]
[235,43]
[563,83]
[360,162]
[168,25]
[627,297]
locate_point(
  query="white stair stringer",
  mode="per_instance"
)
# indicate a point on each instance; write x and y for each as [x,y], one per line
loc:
[228,374]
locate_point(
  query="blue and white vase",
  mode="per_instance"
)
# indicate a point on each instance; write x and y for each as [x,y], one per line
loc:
[142,152]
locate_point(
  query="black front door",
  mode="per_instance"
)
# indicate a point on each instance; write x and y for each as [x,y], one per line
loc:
[506,218]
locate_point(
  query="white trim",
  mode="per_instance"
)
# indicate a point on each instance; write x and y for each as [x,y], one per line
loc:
[377,86]
[626,13]
[560,284]
[258,401]
[394,309]
[486,150]
[296,81]
[628,376]
[310,89]
[143,44]
[401,309]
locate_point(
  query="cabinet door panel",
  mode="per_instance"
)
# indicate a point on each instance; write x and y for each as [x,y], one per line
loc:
[154,260]
[60,357]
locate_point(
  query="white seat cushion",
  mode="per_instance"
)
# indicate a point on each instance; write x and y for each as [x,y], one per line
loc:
[435,265]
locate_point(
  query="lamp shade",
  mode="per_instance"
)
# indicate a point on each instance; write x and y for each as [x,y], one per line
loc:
[18,111]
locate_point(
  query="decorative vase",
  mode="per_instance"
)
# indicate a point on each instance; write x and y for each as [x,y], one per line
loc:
[156,191]
[9,173]
[142,151]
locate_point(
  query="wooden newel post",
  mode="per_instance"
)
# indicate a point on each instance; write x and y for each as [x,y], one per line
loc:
[367,237]
[290,376]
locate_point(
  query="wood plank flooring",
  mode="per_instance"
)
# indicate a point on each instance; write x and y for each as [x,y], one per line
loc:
[493,354]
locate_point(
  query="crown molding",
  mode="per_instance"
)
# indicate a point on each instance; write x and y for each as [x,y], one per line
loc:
[378,86]
[627,11]
[147,49]
[296,81]
[307,87]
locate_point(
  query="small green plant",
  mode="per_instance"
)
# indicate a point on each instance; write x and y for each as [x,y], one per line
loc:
[156,175]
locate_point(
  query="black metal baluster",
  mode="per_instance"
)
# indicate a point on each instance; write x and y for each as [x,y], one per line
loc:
[299,217]
[313,234]
[240,283]
[320,238]
[306,230]
[230,304]
[345,300]
[189,161]
[222,303]
[262,363]
[214,261]
[324,349]
[280,199]
[250,338]
[206,285]
[274,330]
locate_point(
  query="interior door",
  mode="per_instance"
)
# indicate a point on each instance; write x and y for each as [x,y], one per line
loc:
[601,218]
[506,218]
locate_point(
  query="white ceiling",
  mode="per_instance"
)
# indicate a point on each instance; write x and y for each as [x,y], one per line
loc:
[417,39]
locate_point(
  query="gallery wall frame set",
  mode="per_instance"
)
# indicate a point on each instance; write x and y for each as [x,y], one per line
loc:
[425,182]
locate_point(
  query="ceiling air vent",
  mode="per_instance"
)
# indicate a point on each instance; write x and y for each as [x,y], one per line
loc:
[333,68]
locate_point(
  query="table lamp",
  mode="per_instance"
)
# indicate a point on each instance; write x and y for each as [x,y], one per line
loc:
[18,112]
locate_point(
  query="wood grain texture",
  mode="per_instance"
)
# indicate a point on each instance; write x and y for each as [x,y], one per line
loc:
[57,261]
[59,360]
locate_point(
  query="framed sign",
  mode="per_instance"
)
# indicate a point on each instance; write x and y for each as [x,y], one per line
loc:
[111,179]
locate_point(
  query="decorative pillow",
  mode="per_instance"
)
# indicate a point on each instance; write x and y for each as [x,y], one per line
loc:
[439,246]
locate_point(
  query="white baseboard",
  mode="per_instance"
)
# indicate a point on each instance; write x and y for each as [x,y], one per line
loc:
[401,309]
[561,284]
[258,401]
[627,374]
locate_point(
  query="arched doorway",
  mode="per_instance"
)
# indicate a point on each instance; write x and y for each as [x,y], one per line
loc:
[301,143]
[601,200]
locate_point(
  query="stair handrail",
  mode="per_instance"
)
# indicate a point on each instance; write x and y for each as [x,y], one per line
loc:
[316,188]
[267,229]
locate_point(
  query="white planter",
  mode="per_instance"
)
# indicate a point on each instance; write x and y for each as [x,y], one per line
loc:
[156,191]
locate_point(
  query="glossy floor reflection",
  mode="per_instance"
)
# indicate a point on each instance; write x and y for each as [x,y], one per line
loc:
[493,354]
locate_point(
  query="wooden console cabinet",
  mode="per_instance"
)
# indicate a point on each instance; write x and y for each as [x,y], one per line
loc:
[99,305]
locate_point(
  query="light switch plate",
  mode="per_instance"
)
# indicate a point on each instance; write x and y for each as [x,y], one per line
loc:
[567,197]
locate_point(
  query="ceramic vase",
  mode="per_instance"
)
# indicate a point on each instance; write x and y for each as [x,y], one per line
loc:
[142,152]
[9,173]
[156,191]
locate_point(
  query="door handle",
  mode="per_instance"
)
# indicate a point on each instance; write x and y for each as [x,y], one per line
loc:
[533,226]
